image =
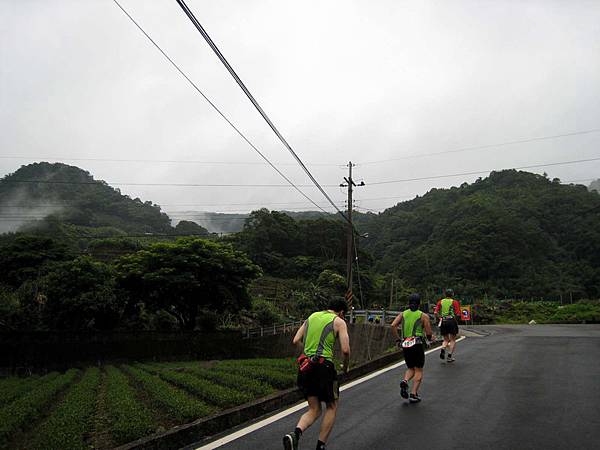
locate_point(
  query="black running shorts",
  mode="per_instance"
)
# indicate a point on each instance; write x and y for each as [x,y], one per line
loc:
[414,356]
[449,326]
[320,381]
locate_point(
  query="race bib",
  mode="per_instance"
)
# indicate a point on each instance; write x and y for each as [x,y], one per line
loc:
[409,342]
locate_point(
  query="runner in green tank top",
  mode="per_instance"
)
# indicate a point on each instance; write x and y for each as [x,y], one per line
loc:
[415,326]
[317,377]
[446,311]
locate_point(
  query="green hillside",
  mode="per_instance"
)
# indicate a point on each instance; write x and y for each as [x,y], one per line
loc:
[513,234]
[60,199]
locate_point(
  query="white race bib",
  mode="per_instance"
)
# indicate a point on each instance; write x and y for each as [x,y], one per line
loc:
[409,342]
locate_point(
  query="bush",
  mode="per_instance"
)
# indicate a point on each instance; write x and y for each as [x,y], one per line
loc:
[274,377]
[214,394]
[71,421]
[14,387]
[21,412]
[256,387]
[129,418]
[180,406]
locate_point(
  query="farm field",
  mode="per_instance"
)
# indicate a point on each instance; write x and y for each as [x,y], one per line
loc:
[103,407]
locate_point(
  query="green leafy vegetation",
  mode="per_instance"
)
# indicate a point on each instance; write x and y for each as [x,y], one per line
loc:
[179,405]
[541,312]
[129,418]
[70,423]
[19,414]
[213,394]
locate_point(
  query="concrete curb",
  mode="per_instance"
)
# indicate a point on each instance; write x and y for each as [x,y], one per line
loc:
[205,429]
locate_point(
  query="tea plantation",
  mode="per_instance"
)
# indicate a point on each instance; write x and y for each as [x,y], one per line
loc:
[103,407]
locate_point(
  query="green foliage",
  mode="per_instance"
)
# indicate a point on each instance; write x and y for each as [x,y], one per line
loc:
[72,420]
[187,276]
[80,295]
[189,227]
[273,376]
[14,387]
[513,234]
[21,412]
[213,394]
[180,406]
[129,418]
[78,199]
[256,387]
[24,258]
[541,312]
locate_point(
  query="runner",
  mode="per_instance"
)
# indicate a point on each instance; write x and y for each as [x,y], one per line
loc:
[446,311]
[413,345]
[317,377]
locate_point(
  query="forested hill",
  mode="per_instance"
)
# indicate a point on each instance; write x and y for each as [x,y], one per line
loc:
[44,195]
[511,234]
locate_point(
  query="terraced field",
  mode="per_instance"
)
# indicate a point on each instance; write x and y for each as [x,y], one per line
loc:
[103,407]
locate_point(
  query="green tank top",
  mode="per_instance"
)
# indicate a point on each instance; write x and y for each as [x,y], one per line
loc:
[319,335]
[447,307]
[411,323]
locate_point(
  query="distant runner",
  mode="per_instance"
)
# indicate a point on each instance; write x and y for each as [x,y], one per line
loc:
[446,311]
[317,377]
[413,343]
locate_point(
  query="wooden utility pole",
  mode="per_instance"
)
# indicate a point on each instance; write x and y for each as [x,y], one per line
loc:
[350,234]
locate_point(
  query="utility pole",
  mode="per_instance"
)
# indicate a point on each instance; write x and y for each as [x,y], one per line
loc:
[350,234]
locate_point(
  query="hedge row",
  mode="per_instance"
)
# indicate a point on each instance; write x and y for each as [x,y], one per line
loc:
[274,377]
[180,406]
[14,387]
[276,363]
[71,422]
[17,414]
[256,387]
[129,418]
[214,394]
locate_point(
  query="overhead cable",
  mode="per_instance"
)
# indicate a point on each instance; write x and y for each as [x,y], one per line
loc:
[478,172]
[482,147]
[215,106]
[241,84]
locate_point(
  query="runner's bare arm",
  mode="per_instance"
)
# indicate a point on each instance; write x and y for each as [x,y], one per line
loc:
[395,325]
[341,329]
[299,334]
[427,326]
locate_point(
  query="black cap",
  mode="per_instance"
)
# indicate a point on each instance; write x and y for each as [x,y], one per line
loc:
[449,292]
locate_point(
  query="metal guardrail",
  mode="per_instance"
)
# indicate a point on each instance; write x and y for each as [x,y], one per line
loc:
[272,330]
[374,316]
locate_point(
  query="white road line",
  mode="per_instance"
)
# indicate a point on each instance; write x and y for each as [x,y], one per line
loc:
[269,420]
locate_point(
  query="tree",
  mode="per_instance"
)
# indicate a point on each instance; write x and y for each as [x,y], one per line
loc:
[25,257]
[186,277]
[79,295]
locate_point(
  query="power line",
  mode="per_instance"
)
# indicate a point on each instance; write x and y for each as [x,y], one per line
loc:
[482,147]
[105,183]
[113,183]
[215,107]
[171,161]
[485,171]
[241,84]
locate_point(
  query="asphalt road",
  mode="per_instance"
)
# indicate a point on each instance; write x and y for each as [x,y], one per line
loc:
[521,387]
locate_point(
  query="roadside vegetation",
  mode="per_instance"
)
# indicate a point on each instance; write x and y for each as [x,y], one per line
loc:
[61,411]
[516,312]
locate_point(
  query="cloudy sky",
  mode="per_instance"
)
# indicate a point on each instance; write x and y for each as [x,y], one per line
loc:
[380,83]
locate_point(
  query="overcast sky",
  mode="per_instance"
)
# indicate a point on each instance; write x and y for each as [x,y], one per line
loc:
[343,80]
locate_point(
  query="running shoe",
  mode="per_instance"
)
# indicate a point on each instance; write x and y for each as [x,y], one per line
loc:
[404,389]
[443,354]
[450,359]
[414,398]
[290,441]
